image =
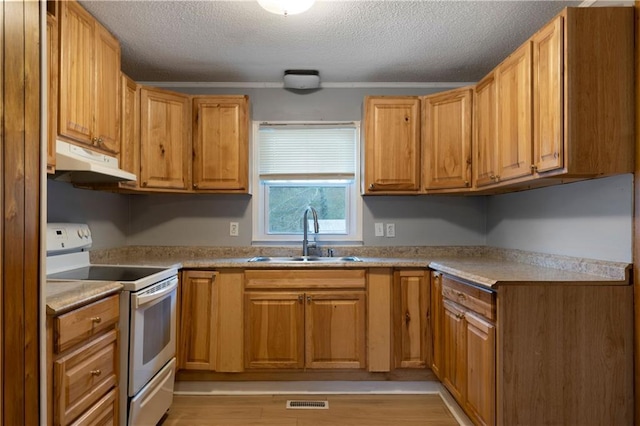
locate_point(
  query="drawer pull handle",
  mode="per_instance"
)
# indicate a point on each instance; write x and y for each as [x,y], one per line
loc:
[462,296]
[97,320]
[96,372]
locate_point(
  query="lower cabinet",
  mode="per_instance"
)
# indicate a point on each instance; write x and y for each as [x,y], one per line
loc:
[83,364]
[210,320]
[197,344]
[295,319]
[411,304]
[467,358]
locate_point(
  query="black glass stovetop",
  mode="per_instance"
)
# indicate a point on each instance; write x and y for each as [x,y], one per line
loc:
[106,273]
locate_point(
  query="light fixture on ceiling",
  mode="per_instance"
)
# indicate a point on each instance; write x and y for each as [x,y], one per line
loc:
[301,79]
[286,7]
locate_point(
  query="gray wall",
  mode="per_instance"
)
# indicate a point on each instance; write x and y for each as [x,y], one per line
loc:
[590,219]
[107,214]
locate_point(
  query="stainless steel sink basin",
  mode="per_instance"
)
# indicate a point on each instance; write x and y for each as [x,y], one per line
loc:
[304,259]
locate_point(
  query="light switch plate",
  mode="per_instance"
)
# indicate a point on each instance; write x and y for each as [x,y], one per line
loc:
[379,228]
[391,230]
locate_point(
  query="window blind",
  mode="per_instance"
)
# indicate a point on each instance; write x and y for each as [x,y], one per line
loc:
[290,151]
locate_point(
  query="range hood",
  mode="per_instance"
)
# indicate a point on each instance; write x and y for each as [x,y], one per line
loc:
[82,165]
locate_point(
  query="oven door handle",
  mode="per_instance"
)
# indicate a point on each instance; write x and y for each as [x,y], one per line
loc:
[143,299]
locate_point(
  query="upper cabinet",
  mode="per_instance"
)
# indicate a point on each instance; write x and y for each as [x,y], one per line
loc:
[392,144]
[130,129]
[564,104]
[221,143]
[89,81]
[485,132]
[52,90]
[513,78]
[165,140]
[447,139]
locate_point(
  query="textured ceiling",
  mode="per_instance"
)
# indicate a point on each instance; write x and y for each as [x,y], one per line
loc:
[347,41]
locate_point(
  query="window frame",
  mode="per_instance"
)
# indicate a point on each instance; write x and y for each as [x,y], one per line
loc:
[260,199]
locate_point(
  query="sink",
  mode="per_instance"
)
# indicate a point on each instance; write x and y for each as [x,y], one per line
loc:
[304,259]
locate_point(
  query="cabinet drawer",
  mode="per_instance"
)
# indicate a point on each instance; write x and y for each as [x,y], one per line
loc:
[473,298]
[305,279]
[103,413]
[84,376]
[83,323]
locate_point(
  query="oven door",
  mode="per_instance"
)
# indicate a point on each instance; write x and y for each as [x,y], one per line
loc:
[152,334]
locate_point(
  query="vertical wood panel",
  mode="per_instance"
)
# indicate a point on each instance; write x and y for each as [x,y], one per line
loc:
[20,174]
[379,282]
[31,212]
[13,235]
[636,221]
[2,281]
[230,321]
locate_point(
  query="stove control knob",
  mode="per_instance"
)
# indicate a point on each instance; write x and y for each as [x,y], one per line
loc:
[80,232]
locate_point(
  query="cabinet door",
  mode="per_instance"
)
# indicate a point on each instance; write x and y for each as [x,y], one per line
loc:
[221,143]
[165,146]
[454,350]
[197,342]
[514,114]
[485,141]
[481,369]
[447,139]
[274,330]
[52,91]
[548,83]
[103,413]
[411,300]
[392,144]
[75,112]
[130,129]
[335,330]
[106,92]
[437,318]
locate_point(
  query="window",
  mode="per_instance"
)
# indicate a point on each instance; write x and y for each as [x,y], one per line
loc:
[297,165]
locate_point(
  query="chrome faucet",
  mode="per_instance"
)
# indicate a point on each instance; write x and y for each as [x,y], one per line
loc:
[305,226]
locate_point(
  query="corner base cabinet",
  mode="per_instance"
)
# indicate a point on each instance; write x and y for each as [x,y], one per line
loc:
[532,353]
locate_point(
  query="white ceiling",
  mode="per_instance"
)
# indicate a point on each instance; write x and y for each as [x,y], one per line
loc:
[346,41]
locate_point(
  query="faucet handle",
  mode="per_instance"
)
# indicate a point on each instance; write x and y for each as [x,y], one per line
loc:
[330,252]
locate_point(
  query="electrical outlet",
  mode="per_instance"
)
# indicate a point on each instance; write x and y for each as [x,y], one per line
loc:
[391,230]
[234,229]
[379,228]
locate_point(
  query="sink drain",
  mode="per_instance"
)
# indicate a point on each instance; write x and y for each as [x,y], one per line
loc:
[307,405]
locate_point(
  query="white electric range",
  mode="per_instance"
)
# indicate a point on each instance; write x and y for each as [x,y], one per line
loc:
[147,320]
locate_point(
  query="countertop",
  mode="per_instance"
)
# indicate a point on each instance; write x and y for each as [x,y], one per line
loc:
[485,266]
[63,296]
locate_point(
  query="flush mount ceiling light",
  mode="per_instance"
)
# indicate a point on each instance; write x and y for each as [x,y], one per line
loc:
[286,7]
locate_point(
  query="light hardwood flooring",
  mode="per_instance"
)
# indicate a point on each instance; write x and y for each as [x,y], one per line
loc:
[348,410]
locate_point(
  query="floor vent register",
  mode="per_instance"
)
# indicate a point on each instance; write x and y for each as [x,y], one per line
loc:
[307,405]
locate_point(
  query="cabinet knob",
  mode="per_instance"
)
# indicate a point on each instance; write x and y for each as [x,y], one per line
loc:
[466,183]
[534,167]
[96,320]
[96,372]
[492,176]
[372,186]
[195,186]
[497,178]
[308,299]
[300,298]
[461,296]
[144,183]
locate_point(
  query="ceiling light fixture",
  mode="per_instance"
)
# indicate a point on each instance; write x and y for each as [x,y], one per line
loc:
[286,7]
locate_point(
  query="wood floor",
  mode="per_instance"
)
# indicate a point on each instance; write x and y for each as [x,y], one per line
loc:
[371,410]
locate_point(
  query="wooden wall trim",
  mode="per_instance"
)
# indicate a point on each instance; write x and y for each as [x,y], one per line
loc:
[636,219]
[20,201]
